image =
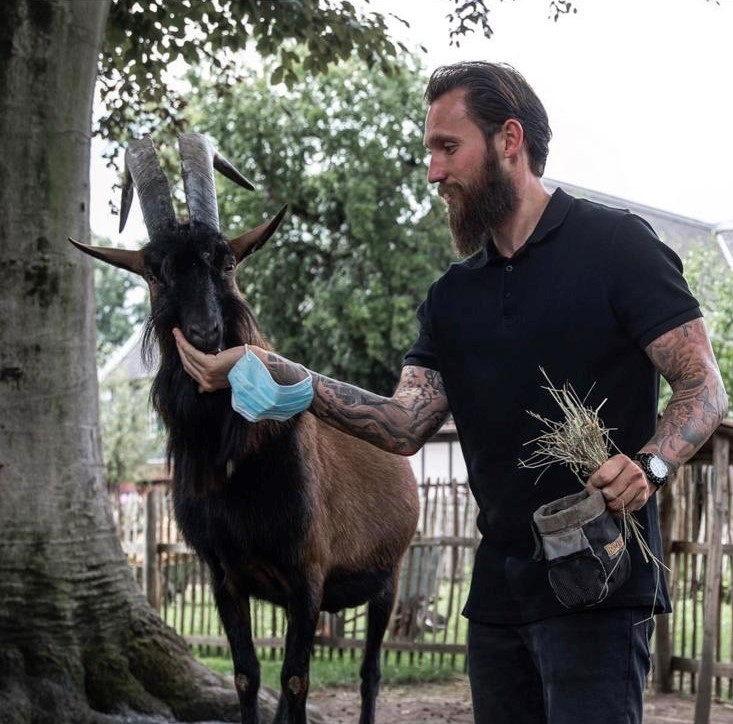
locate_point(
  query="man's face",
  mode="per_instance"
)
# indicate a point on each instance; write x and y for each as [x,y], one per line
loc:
[478,193]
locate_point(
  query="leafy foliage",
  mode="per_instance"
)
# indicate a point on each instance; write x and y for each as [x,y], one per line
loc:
[147,42]
[144,38]
[467,15]
[338,285]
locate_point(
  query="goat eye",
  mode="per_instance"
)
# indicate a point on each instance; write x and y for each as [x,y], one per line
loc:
[150,278]
[229,266]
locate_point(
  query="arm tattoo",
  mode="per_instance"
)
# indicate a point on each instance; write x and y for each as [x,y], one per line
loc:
[699,401]
[400,424]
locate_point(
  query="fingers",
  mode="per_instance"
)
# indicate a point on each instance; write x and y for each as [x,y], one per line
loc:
[188,353]
[209,371]
[190,358]
[623,484]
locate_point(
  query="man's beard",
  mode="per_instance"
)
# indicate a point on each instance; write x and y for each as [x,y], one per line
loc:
[480,206]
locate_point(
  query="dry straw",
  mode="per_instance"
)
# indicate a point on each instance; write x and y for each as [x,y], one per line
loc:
[580,442]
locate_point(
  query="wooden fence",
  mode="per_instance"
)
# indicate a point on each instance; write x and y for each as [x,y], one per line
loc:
[694,645]
[433,582]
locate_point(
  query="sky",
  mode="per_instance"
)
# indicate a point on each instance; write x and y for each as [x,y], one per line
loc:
[638,93]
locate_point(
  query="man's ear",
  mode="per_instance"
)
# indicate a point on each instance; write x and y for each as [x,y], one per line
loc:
[512,138]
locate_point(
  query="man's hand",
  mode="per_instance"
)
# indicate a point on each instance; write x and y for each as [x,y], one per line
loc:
[208,370]
[623,484]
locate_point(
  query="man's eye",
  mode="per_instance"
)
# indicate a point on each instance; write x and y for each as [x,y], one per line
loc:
[450,148]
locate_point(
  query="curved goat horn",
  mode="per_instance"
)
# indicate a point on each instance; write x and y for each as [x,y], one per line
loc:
[143,170]
[198,159]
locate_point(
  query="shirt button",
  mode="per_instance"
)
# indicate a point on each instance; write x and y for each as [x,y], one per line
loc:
[509,267]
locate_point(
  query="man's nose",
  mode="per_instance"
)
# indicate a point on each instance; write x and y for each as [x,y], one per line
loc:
[436,171]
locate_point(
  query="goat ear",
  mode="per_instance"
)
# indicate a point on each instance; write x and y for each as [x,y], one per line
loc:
[122,258]
[250,241]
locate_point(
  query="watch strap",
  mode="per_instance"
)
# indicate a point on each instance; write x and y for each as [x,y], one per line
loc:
[657,471]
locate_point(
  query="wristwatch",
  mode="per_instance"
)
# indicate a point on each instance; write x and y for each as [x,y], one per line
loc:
[656,470]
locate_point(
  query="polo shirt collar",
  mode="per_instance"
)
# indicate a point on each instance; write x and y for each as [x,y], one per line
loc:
[552,217]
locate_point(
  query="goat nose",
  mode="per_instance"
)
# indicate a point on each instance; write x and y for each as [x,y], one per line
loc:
[207,338]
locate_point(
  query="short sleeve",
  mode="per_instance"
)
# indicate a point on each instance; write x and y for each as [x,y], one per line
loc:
[423,352]
[648,292]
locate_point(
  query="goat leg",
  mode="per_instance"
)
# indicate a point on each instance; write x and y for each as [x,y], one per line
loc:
[379,610]
[303,611]
[234,612]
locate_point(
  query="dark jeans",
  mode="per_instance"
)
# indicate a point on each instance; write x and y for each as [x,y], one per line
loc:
[580,668]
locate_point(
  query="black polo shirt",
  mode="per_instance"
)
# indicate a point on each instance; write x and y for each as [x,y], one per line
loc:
[591,288]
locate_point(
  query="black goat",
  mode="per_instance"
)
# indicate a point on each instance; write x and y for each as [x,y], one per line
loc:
[293,512]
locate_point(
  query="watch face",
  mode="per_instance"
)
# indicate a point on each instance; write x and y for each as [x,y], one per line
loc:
[657,466]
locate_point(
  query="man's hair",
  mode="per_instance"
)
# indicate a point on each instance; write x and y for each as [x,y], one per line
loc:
[494,93]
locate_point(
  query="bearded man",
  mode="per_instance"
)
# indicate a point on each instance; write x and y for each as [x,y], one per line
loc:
[589,294]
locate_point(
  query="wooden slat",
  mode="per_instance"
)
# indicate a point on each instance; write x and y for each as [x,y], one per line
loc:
[150,558]
[692,666]
[664,642]
[174,548]
[721,450]
[683,546]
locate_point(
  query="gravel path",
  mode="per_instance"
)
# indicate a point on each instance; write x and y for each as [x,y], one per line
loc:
[450,703]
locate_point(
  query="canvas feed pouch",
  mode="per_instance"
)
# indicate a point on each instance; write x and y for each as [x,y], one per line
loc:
[584,550]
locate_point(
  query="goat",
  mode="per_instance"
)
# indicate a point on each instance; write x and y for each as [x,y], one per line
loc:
[296,512]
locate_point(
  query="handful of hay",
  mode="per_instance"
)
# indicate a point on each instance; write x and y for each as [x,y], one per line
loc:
[580,442]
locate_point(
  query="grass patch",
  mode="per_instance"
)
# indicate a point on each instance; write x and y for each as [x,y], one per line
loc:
[326,672]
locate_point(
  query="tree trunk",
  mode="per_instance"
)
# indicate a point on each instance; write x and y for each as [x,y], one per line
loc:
[78,642]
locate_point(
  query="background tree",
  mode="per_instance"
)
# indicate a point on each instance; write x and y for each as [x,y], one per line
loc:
[143,39]
[338,285]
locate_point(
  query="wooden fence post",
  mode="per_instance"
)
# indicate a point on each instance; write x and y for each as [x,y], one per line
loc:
[721,459]
[150,557]
[663,636]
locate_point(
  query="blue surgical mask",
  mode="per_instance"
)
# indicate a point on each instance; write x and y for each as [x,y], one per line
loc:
[256,396]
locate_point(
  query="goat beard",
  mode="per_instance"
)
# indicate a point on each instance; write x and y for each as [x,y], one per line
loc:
[478,207]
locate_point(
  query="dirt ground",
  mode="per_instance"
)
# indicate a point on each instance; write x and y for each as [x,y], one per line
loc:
[450,703]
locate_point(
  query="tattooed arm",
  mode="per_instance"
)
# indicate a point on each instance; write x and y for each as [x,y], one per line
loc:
[400,424]
[699,402]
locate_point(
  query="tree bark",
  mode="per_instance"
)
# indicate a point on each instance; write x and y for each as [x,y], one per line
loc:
[78,642]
